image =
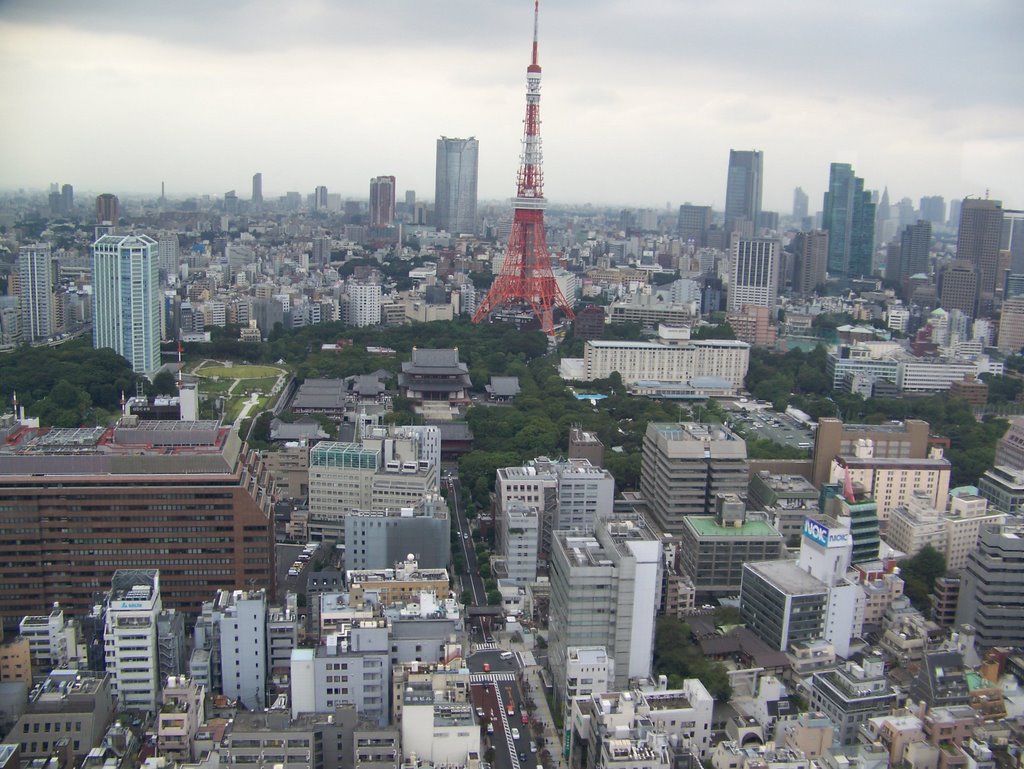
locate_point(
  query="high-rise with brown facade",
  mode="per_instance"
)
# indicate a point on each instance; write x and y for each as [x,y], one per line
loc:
[977,240]
[186,498]
[902,440]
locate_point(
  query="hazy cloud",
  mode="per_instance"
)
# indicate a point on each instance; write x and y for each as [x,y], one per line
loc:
[641,100]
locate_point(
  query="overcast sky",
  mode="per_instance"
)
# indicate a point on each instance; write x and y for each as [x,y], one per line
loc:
[642,99]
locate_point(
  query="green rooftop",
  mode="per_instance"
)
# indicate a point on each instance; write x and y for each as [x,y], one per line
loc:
[706,526]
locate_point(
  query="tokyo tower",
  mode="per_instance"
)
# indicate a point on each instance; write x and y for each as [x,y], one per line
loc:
[526,277]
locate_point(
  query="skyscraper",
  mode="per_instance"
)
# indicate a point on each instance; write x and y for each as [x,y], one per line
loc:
[694,223]
[755,272]
[257,188]
[455,185]
[811,249]
[912,257]
[320,198]
[958,287]
[743,190]
[35,291]
[933,208]
[977,240]
[126,299]
[799,204]
[382,201]
[67,196]
[107,207]
[849,216]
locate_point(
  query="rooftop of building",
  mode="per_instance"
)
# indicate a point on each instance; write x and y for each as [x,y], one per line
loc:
[693,431]
[788,577]
[130,447]
[753,527]
[66,691]
[588,655]
[609,344]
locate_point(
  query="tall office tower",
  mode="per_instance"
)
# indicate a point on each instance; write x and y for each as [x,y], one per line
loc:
[954,213]
[526,279]
[320,198]
[382,201]
[604,592]
[189,482]
[958,287]
[800,202]
[257,188]
[130,638]
[977,241]
[455,183]
[107,206]
[1012,240]
[883,212]
[743,190]
[991,591]
[811,249]
[933,209]
[321,251]
[694,223]
[912,258]
[410,204]
[849,216]
[169,254]
[755,272]
[126,299]
[67,197]
[35,291]
[685,465]
[1011,326]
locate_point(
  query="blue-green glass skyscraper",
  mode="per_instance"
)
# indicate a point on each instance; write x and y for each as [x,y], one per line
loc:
[849,216]
[126,299]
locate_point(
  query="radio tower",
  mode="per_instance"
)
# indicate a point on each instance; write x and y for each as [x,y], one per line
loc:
[526,277]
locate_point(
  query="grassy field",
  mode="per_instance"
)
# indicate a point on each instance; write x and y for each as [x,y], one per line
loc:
[244,371]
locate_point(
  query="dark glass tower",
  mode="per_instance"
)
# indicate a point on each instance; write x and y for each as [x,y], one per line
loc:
[743,188]
[849,216]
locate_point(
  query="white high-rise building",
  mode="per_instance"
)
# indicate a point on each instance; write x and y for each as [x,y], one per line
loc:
[605,588]
[455,187]
[35,291]
[126,299]
[167,248]
[364,304]
[243,646]
[755,272]
[130,638]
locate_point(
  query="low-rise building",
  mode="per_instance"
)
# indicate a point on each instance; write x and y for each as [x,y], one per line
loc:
[713,549]
[852,694]
[588,670]
[69,705]
[181,713]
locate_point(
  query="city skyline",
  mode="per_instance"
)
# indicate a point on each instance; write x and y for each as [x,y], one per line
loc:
[239,90]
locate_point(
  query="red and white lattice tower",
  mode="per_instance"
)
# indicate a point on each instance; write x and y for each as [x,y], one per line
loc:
[526,277]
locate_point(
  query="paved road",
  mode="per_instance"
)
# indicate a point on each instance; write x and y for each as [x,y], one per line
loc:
[471,579]
[499,695]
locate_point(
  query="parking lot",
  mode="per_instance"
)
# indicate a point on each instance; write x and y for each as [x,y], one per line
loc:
[762,422]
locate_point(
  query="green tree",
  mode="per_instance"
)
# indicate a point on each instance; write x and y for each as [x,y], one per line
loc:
[919,573]
[163,383]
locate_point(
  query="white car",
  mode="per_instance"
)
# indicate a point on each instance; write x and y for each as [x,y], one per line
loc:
[515,733]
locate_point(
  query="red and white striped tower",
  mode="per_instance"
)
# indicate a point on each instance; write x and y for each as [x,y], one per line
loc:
[526,278]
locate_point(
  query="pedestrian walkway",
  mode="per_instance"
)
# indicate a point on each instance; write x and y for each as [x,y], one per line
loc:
[486,678]
[553,741]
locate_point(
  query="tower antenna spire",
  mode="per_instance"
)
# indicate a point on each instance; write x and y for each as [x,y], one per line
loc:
[536,16]
[526,278]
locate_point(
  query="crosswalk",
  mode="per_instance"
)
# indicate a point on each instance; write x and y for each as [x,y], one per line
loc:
[482,678]
[487,645]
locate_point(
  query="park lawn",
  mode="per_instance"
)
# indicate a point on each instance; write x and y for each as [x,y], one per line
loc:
[263,385]
[241,371]
[210,387]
